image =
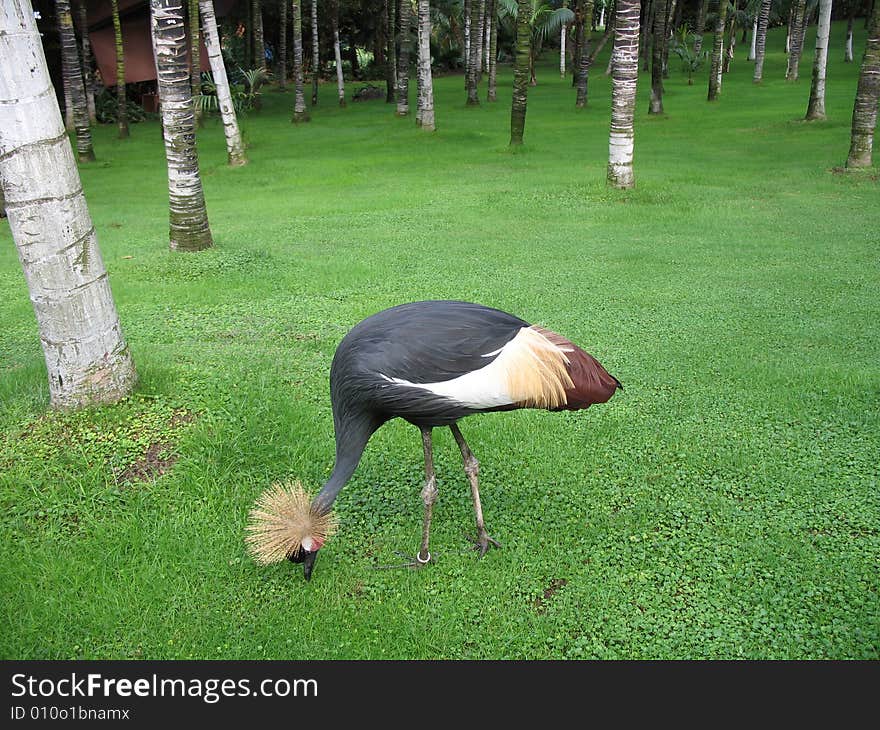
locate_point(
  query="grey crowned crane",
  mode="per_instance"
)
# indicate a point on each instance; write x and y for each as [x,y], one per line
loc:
[432,363]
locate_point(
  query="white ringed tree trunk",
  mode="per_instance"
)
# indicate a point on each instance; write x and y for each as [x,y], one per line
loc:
[87,358]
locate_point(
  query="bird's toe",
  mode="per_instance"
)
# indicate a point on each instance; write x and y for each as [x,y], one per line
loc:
[483,541]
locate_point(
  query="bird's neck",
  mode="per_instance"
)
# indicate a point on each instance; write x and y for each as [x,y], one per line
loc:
[351,439]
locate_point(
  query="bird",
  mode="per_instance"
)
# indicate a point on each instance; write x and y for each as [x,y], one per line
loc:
[431,363]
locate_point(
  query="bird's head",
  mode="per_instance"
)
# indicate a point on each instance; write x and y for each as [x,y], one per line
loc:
[307,554]
[284,523]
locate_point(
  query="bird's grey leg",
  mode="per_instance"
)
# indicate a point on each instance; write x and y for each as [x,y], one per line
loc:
[429,494]
[472,469]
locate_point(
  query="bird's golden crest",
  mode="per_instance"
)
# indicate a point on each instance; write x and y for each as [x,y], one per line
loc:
[536,374]
[281,519]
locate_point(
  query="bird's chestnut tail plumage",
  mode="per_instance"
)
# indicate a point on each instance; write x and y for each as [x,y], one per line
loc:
[591,383]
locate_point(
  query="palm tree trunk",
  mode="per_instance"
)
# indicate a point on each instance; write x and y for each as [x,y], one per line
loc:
[578,42]
[391,62]
[797,41]
[492,91]
[584,61]
[282,46]
[195,59]
[73,81]
[667,37]
[195,67]
[234,146]
[403,59]
[816,106]
[189,229]
[728,54]
[466,13]
[88,361]
[88,76]
[562,45]
[337,54]
[68,104]
[848,46]
[473,61]
[520,73]
[753,48]
[609,31]
[425,117]
[656,104]
[259,39]
[121,96]
[534,51]
[864,119]
[717,52]
[300,114]
[487,33]
[645,45]
[624,77]
[316,55]
[761,40]
[479,33]
[700,26]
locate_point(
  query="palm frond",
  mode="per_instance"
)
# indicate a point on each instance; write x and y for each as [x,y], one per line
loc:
[550,23]
[507,8]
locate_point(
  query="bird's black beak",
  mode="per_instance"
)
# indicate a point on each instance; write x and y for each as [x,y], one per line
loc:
[309,564]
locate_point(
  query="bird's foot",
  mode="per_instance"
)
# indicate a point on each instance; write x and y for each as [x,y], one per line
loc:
[417,561]
[483,540]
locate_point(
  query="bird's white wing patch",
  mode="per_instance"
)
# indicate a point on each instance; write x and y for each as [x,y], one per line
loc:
[529,370]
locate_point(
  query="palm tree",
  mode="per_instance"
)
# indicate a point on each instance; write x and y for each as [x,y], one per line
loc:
[425,113]
[624,76]
[491,90]
[388,23]
[717,52]
[87,358]
[816,106]
[645,45]
[797,40]
[473,57]
[316,56]
[282,45]
[195,68]
[761,40]
[562,31]
[659,42]
[542,22]
[479,31]
[520,72]
[121,100]
[195,58]
[337,54]
[74,88]
[850,17]
[300,114]
[234,147]
[259,39]
[405,14]
[88,77]
[584,17]
[189,229]
[864,119]
[700,26]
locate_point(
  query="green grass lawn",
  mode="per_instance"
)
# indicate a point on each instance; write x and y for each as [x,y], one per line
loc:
[724,505]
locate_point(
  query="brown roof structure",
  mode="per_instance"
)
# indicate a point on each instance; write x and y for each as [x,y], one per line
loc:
[134,17]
